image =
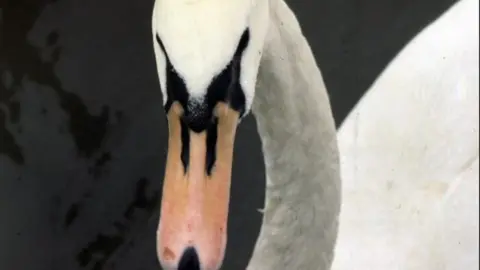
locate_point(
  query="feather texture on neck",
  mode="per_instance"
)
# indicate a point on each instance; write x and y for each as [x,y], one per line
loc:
[298,135]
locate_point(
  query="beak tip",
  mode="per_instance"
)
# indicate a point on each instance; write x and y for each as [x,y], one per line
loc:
[189,260]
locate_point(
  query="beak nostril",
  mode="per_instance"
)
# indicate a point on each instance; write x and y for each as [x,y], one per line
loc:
[189,260]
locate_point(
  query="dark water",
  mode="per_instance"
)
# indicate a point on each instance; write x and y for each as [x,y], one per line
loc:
[83,133]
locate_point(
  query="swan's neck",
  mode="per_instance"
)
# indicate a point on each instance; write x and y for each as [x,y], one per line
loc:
[298,135]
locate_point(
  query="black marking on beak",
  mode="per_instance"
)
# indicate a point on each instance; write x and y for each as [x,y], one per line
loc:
[189,260]
[211,154]
[211,143]
[185,154]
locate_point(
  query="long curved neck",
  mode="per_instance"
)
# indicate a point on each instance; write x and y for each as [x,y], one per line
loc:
[298,136]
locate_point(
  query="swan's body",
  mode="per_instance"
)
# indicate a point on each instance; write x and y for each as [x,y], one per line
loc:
[409,156]
[409,149]
[217,59]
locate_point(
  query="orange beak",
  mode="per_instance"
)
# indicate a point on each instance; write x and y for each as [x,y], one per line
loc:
[192,232]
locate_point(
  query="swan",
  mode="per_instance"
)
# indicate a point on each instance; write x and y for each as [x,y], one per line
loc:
[216,61]
[409,156]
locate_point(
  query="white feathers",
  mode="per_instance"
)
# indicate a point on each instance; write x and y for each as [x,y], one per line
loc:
[200,38]
[405,149]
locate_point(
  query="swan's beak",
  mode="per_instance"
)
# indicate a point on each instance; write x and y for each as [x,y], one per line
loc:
[192,233]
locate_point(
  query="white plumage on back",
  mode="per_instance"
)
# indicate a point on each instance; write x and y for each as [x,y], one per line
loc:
[409,154]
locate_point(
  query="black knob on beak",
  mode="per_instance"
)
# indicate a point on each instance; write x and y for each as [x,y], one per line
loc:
[189,260]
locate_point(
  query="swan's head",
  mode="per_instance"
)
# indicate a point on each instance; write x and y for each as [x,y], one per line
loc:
[207,55]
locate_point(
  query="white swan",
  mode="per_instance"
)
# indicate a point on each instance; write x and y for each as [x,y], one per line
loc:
[216,59]
[409,156]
